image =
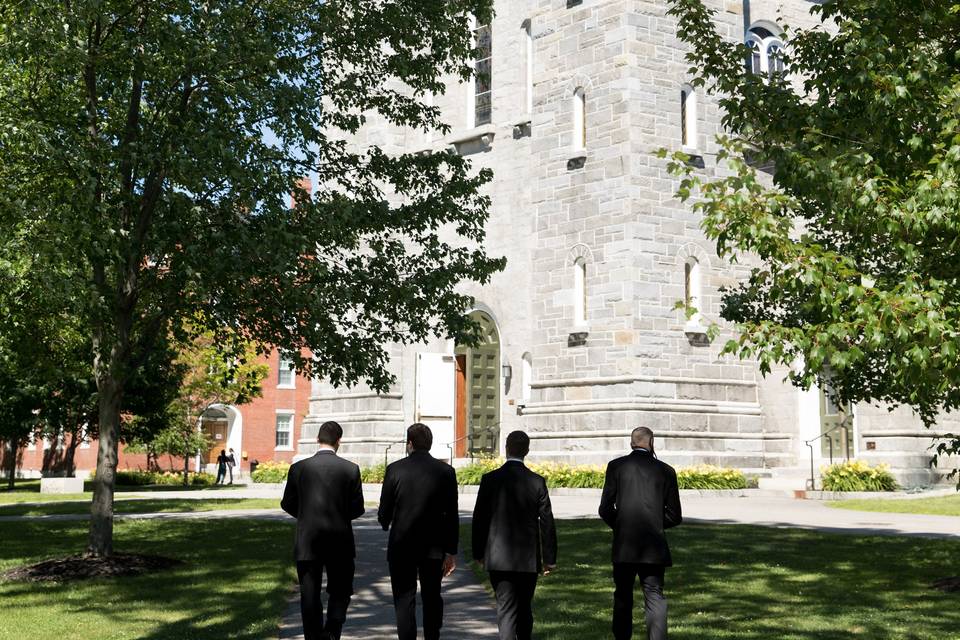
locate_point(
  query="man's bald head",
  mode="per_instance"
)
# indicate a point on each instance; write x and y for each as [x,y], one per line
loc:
[641,438]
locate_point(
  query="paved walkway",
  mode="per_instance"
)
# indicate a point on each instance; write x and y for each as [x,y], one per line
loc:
[764,511]
[468,608]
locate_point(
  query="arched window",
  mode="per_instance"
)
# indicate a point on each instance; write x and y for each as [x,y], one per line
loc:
[580,291]
[579,119]
[692,289]
[526,379]
[766,50]
[528,60]
[688,117]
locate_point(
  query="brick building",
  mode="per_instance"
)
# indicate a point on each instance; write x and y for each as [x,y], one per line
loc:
[266,429]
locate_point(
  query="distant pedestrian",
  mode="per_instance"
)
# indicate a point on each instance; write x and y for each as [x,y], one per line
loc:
[221,466]
[640,500]
[231,463]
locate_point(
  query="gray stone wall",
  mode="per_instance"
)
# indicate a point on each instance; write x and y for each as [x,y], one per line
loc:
[635,360]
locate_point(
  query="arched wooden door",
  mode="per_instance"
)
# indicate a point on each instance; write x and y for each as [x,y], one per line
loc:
[477,416]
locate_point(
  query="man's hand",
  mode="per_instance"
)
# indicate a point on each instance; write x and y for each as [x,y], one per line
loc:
[449,564]
[549,568]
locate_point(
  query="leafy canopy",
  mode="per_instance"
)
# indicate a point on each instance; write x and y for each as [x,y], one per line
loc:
[857,237]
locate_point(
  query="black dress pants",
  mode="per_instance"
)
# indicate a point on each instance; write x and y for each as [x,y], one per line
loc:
[403,580]
[514,590]
[655,605]
[339,589]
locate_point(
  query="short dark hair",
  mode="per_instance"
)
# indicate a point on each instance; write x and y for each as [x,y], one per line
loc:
[641,437]
[518,444]
[330,433]
[419,436]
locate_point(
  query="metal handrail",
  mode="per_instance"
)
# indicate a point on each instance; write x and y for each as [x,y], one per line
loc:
[842,426]
[386,452]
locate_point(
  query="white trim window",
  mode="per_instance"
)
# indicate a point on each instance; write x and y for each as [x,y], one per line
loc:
[766,51]
[579,130]
[480,89]
[528,69]
[580,291]
[526,377]
[692,290]
[286,374]
[84,436]
[688,117]
[284,430]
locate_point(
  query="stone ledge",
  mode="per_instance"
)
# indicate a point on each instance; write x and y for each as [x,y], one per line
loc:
[61,485]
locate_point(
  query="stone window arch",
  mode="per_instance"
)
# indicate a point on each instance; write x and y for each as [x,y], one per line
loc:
[765,40]
[580,259]
[579,108]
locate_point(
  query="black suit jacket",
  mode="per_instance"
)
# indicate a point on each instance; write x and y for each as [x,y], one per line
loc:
[418,503]
[640,500]
[513,528]
[324,494]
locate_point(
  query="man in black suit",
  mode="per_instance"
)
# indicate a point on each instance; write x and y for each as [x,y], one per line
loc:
[418,504]
[324,494]
[640,500]
[514,537]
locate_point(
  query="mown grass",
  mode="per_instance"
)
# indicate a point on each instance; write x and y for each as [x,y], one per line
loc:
[235,582]
[142,505]
[757,583]
[940,506]
[29,491]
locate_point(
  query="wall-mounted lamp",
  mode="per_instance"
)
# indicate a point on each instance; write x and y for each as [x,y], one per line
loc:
[506,371]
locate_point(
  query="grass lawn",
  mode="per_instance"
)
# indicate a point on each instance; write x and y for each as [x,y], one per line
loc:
[29,491]
[941,506]
[234,585]
[758,583]
[145,505]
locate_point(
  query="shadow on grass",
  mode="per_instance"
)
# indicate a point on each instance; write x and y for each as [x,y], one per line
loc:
[757,583]
[234,582]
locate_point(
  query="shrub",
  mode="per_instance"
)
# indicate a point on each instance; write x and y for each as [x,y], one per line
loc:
[856,475]
[710,477]
[570,476]
[471,474]
[271,472]
[165,478]
[374,474]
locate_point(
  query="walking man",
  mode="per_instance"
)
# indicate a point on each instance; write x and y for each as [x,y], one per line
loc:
[418,504]
[324,494]
[640,500]
[514,537]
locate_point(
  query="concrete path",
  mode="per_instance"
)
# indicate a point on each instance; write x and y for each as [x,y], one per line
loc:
[468,609]
[763,511]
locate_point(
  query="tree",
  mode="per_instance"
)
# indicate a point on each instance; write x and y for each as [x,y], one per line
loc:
[216,373]
[155,145]
[855,241]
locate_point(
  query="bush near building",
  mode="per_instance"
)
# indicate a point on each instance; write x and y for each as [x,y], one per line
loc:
[166,478]
[557,475]
[857,475]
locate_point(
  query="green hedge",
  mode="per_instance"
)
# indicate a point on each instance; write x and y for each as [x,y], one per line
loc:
[558,475]
[271,472]
[856,475]
[168,478]
[583,476]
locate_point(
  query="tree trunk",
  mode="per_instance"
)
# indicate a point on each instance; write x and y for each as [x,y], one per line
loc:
[12,476]
[186,469]
[101,511]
